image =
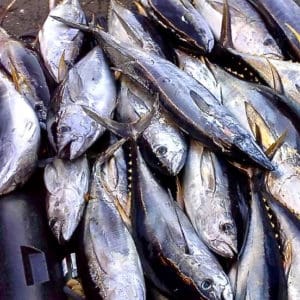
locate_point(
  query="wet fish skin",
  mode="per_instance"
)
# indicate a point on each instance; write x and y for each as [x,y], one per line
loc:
[91,83]
[282,14]
[67,184]
[183,21]
[250,106]
[115,175]
[162,143]
[171,246]
[108,246]
[19,137]
[59,44]
[195,246]
[134,29]
[289,232]
[248,31]
[282,76]
[282,181]
[207,200]
[31,81]
[194,114]
[260,273]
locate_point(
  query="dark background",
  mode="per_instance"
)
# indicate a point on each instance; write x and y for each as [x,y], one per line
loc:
[27,16]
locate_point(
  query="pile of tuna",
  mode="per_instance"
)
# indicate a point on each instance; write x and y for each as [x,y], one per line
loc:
[172,131]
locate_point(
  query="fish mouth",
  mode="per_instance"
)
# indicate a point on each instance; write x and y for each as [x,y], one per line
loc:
[249,148]
[70,149]
[178,162]
[227,293]
[64,150]
[228,250]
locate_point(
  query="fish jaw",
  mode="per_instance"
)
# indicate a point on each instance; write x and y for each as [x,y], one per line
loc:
[227,293]
[254,152]
[73,138]
[225,249]
[63,220]
[178,162]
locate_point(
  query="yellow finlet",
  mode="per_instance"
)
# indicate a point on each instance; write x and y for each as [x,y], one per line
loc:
[62,68]
[294,31]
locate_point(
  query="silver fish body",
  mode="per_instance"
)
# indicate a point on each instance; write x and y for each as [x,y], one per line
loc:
[88,83]
[162,143]
[19,137]
[198,112]
[168,242]
[282,76]
[259,109]
[134,29]
[60,44]
[115,175]
[67,184]
[207,200]
[113,261]
[183,21]
[289,232]
[23,64]
[282,14]
[251,106]
[260,272]
[248,31]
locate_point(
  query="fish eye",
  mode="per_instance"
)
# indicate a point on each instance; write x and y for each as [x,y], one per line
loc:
[268,42]
[226,227]
[161,150]
[206,284]
[64,129]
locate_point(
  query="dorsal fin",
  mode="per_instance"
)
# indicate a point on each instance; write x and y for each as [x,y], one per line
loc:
[262,133]
[277,83]
[270,152]
[179,194]
[15,75]
[62,68]
[226,34]
[140,8]
[125,130]
[294,31]
[258,126]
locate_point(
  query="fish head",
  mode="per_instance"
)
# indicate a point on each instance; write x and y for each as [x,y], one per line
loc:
[216,286]
[62,217]
[167,147]
[220,235]
[223,235]
[73,132]
[65,197]
[171,151]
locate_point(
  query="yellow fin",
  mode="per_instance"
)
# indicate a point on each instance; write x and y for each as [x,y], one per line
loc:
[258,126]
[276,145]
[140,8]
[287,256]
[277,83]
[15,76]
[294,31]
[62,68]
[179,194]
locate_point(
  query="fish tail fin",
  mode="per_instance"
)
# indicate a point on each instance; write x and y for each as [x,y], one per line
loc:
[125,130]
